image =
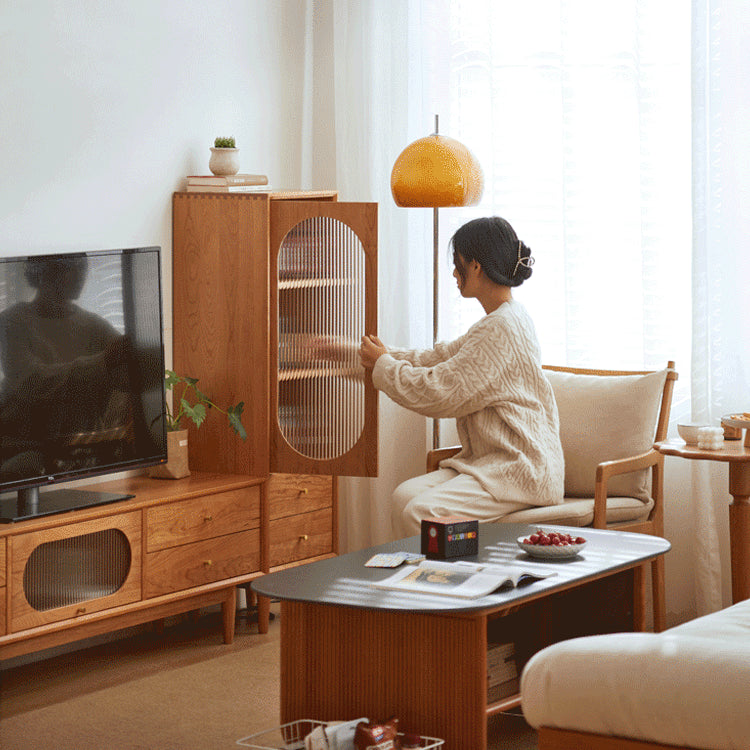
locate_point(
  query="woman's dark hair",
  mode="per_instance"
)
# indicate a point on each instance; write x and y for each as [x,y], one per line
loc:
[493,243]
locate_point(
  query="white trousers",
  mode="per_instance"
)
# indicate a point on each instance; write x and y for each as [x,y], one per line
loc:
[444,492]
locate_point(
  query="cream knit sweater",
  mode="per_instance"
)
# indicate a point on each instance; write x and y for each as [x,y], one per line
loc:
[490,379]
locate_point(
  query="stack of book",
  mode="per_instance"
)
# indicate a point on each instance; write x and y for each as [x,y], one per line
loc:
[233,183]
[502,673]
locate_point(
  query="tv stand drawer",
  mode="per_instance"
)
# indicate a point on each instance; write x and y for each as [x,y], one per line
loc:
[202,518]
[190,565]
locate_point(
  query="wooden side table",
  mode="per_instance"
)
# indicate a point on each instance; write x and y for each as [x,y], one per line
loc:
[737,455]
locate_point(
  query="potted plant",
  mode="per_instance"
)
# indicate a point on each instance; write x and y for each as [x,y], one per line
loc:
[189,404]
[225,157]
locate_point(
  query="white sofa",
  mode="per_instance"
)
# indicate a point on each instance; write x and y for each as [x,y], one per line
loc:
[687,687]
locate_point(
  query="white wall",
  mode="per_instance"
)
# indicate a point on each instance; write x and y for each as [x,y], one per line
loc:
[106,106]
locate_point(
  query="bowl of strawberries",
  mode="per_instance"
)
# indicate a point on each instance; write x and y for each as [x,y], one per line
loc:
[551,544]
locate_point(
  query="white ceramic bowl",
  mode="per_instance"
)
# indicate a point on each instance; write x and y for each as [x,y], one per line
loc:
[550,552]
[689,432]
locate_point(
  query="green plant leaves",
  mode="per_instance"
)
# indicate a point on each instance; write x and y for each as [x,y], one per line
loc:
[196,412]
[235,415]
[193,404]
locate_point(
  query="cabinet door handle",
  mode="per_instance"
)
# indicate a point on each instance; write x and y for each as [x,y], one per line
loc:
[303,491]
[303,537]
[208,518]
[81,611]
[207,563]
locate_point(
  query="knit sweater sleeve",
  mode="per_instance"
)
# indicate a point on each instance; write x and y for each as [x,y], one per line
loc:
[427,357]
[471,377]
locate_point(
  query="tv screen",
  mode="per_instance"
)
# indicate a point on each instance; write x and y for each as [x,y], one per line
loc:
[81,374]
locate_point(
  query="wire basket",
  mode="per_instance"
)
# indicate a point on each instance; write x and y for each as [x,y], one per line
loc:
[291,736]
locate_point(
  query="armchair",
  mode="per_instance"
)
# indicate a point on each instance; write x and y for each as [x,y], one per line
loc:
[609,421]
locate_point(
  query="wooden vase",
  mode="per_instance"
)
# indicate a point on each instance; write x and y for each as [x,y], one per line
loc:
[177,458]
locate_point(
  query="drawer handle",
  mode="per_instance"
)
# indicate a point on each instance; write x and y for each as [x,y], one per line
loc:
[207,563]
[81,611]
[303,537]
[208,518]
[303,491]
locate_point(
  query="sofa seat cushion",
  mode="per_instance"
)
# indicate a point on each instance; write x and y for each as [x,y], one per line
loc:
[580,512]
[687,686]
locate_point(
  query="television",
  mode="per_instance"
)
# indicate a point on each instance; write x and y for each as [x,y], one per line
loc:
[81,375]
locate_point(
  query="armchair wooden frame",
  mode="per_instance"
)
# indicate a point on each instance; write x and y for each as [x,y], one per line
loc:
[652,459]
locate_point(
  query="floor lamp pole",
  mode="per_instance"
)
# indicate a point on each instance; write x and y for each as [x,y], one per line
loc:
[435,291]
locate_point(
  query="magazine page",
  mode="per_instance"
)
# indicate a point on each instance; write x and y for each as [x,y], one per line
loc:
[461,579]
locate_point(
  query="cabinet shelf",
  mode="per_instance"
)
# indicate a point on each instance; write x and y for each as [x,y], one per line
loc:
[310,373]
[287,283]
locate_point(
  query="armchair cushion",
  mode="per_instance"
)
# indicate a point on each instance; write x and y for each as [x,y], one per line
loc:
[604,418]
[578,511]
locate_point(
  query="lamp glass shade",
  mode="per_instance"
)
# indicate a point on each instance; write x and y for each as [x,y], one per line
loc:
[436,171]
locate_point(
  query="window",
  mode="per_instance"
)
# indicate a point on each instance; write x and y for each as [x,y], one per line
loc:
[579,113]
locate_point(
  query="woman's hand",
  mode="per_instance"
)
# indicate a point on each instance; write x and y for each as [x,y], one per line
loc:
[370,351]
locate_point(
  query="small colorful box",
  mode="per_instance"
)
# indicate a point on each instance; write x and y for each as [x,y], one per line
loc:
[450,536]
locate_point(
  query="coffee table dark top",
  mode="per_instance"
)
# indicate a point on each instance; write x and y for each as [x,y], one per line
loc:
[345,581]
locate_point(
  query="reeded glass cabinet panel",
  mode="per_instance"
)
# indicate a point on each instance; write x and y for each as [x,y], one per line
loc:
[323,303]
[321,281]
[74,570]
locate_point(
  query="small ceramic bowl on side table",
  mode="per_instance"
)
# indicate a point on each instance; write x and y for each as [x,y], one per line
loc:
[689,432]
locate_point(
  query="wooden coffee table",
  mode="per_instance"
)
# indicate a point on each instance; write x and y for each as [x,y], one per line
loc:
[349,649]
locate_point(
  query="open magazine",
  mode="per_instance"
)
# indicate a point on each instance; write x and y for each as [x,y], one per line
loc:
[462,579]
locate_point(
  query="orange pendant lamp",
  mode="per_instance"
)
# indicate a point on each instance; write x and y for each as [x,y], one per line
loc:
[436,172]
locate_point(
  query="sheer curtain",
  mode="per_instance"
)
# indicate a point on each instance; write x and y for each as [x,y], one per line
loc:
[626,183]
[721,266]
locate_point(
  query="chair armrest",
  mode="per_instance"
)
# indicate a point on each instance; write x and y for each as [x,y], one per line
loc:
[434,457]
[608,469]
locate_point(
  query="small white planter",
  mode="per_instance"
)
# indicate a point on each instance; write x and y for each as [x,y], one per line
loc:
[224,161]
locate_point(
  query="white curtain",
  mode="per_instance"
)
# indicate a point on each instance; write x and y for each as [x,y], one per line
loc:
[720,370]
[611,136]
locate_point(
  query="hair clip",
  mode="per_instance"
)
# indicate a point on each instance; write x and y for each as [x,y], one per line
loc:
[526,262]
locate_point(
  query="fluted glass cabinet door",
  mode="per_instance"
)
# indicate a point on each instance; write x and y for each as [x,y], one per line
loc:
[323,281]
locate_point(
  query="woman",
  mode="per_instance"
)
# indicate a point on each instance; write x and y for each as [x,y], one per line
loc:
[490,379]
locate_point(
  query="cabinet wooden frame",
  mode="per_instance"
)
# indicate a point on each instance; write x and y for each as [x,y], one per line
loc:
[226,308]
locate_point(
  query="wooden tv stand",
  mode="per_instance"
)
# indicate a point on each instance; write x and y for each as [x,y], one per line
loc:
[177,545]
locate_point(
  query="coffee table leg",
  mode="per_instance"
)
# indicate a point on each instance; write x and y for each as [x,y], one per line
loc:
[428,670]
[739,529]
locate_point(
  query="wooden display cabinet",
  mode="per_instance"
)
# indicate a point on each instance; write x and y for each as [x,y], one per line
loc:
[258,280]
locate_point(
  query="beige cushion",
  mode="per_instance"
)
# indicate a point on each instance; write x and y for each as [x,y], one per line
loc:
[580,512]
[603,418]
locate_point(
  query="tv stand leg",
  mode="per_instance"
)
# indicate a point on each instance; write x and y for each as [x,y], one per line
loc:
[228,613]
